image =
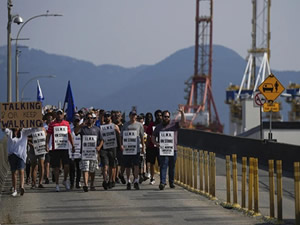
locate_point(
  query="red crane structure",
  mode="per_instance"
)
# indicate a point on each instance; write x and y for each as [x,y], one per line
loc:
[200,101]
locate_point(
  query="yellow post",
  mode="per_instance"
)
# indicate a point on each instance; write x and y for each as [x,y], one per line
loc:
[297,191]
[182,167]
[250,184]
[191,168]
[210,175]
[201,170]
[272,188]
[256,187]
[176,169]
[195,161]
[185,167]
[206,171]
[213,176]
[235,184]
[244,181]
[228,178]
[190,184]
[279,189]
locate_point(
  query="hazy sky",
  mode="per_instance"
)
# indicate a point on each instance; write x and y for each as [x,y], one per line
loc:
[134,32]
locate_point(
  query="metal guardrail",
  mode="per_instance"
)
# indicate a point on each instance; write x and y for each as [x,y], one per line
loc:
[196,171]
[4,166]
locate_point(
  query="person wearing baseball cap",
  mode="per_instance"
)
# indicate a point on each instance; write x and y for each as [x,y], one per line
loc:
[132,130]
[61,133]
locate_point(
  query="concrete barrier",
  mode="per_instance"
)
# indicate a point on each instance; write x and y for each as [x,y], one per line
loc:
[4,166]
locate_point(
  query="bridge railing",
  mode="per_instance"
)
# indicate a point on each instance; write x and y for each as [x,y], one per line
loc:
[196,171]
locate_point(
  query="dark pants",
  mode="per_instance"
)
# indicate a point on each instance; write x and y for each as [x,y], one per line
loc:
[165,162]
[74,168]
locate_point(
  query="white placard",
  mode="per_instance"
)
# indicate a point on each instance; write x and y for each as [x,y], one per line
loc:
[39,142]
[166,143]
[61,137]
[89,144]
[109,136]
[130,142]
[77,145]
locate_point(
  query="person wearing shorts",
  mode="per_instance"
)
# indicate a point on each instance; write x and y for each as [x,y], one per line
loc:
[152,153]
[133,160]
[91,139]
[108,153]
[60,131]
[37,161]
[17,154]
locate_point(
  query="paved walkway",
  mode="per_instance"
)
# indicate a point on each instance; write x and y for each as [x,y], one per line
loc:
[116,206]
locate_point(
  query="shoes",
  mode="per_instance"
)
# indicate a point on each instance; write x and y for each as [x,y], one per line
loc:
[92,188]
[117,180]
[141,179]
[136,186]
[85,188]
[22,191]
[57,188]
[47,181]
[161,186]
[109,185]
[105,185]
[128,186]
[172,185]
[27,180]
[146,176]
[113,184]
[66,183]
[33,186]
[121,177]
[41,186]
[152,181]
[14,194]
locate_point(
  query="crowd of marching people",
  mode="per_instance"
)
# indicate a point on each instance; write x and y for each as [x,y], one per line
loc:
[124,151]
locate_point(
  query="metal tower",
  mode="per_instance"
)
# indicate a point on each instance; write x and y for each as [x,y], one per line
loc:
[259,55]
[199,86]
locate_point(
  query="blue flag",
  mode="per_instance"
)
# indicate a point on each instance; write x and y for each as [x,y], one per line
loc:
[40,96]
[70,103]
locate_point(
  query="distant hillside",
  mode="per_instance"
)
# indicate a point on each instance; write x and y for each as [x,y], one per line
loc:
[148,87]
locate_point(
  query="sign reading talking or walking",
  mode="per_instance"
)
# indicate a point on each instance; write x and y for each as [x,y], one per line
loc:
[271,88]
[21,114]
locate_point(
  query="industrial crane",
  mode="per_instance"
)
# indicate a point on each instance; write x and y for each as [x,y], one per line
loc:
[200,109]
[252,78]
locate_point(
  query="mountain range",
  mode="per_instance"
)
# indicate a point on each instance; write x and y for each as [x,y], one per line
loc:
[148,87]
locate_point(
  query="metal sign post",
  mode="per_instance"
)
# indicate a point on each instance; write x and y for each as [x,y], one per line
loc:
[271,88]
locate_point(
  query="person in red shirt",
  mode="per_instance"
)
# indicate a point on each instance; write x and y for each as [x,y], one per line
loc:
[61,135]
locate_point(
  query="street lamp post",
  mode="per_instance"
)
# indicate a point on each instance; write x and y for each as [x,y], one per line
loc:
[16,19]
[33,78]
[17,51]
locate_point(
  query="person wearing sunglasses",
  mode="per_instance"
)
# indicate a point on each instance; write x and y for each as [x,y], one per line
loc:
[91,143]
[111,139]
[166,134]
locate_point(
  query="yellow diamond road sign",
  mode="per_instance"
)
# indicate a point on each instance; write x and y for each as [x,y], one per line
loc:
[271,88]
